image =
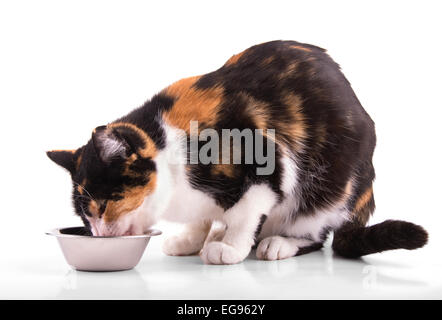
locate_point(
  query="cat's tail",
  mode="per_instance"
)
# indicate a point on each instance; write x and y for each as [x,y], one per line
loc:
[354,241]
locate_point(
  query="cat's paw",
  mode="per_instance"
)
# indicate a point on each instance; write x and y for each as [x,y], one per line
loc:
[217,252]
[275,248]
[181,246]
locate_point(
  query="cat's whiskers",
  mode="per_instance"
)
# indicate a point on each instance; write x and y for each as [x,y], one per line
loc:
[84,189]
[81,196]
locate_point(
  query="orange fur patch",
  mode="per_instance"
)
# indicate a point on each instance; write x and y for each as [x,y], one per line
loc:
[223,169]
[346,194]
[77,164]
[192,104]
[127,171]
[80,187]
[149,149]
[289,70]
[301,48]
[268,60]
[297,128]
[132,199]
[364,199]
[348,188]
[234,59]
[94,208]
[257,111]
[70,151]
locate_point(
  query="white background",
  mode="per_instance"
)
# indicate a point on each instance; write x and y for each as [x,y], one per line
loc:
[67,67]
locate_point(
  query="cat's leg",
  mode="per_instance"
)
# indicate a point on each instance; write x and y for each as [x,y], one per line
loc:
[278,247]
[242,222]
[282,239]
[216,233]
[190,241]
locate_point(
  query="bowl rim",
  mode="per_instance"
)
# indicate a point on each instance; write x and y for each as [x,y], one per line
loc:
[56,232]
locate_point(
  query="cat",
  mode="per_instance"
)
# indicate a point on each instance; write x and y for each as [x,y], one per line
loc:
[138,169]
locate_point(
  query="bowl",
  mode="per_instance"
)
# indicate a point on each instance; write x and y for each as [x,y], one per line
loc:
[85,252]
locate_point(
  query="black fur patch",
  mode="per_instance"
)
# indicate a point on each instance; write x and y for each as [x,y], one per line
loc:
[147,118]
[262,220]
[66,159]
[308,249]
[352,241]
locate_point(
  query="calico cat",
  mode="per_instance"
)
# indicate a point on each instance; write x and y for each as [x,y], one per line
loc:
[139,169]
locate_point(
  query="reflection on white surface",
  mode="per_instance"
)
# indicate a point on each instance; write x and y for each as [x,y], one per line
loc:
[102,285]
[318,275]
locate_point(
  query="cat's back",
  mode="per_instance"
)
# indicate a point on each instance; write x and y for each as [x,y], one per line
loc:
[267,69]
[271,74]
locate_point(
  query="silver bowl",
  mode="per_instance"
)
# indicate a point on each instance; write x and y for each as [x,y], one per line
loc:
[87,253]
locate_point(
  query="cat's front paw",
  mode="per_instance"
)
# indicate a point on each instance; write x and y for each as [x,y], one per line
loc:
[217,252]
[275,248]
[181,246]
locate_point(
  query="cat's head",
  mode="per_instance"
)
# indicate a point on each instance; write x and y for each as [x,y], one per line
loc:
[113,176]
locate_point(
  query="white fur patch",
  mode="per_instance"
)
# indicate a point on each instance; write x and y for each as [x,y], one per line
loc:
[111,147]
[279,216]
[190,241]
[277,247]
[185,204]
[182,245]
[218,252]
[241,221]
[311,226]
[289,172]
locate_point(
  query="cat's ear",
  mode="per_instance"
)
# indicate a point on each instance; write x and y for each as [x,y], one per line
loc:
[109,144]
[64,158]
